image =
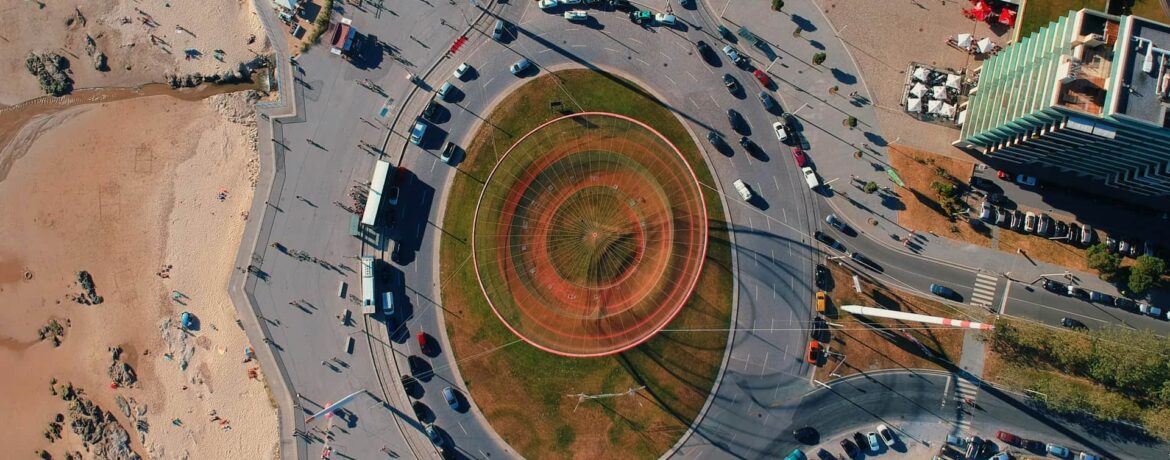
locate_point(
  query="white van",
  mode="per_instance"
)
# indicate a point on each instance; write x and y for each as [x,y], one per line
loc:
[742,188]
[810,177]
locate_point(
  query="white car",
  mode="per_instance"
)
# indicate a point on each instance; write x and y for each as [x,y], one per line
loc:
[520,66]
[577,15]
[781,133]
[874,444]
[886,434]
[548,4]
[570,2]
[731,53]
[742,188]
[461,70]
[810,178]
[665,19]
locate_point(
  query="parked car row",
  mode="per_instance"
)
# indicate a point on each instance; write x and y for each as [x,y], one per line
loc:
[870,443]
[1034,446]
[1039,224]
[1107,300]
[1130,247]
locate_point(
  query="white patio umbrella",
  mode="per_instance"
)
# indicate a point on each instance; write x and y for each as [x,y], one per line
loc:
[963,41]
[918,90]
[913,104]
[954,81]
[933,106]
[947,110]
[939,92]
[985,45]
[921,74]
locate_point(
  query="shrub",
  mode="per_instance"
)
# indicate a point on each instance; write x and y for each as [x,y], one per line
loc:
[851,122]
[1146,273]
[1106,264]
[870,187]
[777,5]
[819,58]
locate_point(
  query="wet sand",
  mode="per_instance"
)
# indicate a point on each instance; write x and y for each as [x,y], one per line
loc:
[122,189]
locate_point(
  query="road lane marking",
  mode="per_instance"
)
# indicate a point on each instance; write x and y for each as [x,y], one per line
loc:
[611,50]
[713,100]
[692,76]
[643,62]
[1006,293]
[636,41]
[764,368]
[671,79]
[664,55]
[577,46]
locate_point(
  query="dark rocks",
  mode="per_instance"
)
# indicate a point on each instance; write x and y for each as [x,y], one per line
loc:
[99,62]
[120,372]
[52,331]
[49,68]
[100,430]
[88,295]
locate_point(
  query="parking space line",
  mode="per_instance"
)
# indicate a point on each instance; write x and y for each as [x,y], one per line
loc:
[611,50]
[692,76]
[671,79]
[664,55]
[643,62]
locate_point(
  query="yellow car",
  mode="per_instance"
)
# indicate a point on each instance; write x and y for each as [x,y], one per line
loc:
[821,298]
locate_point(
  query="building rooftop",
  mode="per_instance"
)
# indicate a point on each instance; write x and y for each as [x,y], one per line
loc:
[1138,95]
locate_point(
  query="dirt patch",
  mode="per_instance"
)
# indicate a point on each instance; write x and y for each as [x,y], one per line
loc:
[870,344]
[919,169]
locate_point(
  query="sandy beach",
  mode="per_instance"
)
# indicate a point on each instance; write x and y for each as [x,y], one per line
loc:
[141,40]
[125,190]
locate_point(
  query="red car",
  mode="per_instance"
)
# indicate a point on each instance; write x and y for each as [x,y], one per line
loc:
[763,78]
[422,340]
[1008,438]
[814,352]
[1003,175]
[798,155]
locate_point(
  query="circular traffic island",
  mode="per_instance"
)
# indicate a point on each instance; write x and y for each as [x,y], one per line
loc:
[585,269]
[589,235]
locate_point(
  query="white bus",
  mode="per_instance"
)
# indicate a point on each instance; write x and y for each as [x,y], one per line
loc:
[374,199]
[369,306]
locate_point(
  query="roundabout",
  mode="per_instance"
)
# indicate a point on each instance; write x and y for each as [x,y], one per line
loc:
[590,234]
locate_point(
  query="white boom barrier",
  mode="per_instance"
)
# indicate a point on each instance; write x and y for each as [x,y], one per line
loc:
[883,313]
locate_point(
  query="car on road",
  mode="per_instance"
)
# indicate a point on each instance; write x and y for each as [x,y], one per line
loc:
[422,340]
[665,19]
[735,119]
[837,223]
[1027,181]
[392,195]
[865,261]
[430,110]
[796,454]
[820,330]
[942,291]
[446,91]
[874,444]
[829,241]
[520,66]
[714,138]
[1100,297]
[1072,324]
[448,152]
[548,4]
[814,352]
[734,55]
[498,32]
[1010,439]
[1077,292]
[570,2]
[417,133]
[806,435]
[577,15]
[886,434]
[974,447]
[1029,222]
[798,155]
[436,438]
[822,299]
[1150,310]
[1054,286]
[461,70]
[641,17]
[747,144]
[452,399]
[742,189]
[621,5]
[763,78]
[705,51]
[810,178]
[1057,450]
[730,82]
[781,131]
[849,447]
[821,277]
[1125,304]
[769,102]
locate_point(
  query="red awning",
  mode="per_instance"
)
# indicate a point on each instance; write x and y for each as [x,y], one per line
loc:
[1007,17]
[981,11]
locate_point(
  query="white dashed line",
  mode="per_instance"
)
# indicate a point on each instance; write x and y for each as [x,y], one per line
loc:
[637,41]
[664,55]
[611,50]
[643,62]
[692,76]
[671,79]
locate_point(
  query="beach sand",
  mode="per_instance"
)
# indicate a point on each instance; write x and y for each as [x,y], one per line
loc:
[118,30]
[121,190]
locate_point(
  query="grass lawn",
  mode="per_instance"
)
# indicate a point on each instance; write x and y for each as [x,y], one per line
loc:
[1038,13]
[871,344]
[917,168]
[527,394]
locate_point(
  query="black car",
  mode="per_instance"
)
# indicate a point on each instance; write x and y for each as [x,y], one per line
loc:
[622,5]
[806,435]
[1125,304]
[705,51]
[1061,230]
[430,111]
[736,120]
[820,330]
[1077,292]
[1072,324]
[714,138]
[821,277]
[1055,286]
[1074,234]
[849,447]
[865,261]
[829,241]
[769,103]
[1133,248]
[396,253]
[730,83]
[860,440]
[1018,221]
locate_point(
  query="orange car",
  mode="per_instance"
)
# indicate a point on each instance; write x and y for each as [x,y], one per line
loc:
[814,352]
[821,298]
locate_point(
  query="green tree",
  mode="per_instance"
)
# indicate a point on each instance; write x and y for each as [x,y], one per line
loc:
[1146,273]
[871,187]
[777,4]
[819,58]
[1099,258]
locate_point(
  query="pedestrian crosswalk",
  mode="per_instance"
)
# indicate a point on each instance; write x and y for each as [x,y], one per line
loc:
[965,393]
[984,294]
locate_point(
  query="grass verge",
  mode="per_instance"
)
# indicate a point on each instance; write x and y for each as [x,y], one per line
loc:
[870,344]
[527,394]
[923,213]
